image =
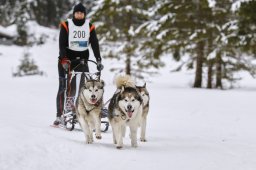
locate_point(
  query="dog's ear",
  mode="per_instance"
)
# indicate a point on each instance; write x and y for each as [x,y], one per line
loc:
[85,84]
[102,82]
[86,77]
[139,97]
[122,89]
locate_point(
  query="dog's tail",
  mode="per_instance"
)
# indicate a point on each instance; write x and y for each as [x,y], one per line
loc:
[124,80]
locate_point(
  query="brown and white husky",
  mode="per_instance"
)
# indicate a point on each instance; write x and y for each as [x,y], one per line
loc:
[88,108]
[145,97]
[125,109]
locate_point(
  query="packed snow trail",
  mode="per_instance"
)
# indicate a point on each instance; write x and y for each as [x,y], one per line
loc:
[187,128]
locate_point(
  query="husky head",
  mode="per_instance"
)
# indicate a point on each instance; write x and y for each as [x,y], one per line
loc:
[129,101]
[93,91]
[144,94]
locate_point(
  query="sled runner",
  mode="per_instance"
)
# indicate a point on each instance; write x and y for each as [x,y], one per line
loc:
[69,115]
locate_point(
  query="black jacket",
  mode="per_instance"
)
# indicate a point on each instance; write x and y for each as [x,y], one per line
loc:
[65,52]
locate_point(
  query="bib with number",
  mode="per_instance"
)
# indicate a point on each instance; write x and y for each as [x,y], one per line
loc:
[78,36]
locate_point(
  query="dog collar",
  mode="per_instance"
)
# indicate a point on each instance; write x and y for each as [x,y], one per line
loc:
[95,105]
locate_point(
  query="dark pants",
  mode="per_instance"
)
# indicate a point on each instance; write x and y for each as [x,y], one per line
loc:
[71,86]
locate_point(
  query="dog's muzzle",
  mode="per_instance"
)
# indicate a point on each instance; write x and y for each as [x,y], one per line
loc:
[93,98]
[129,111]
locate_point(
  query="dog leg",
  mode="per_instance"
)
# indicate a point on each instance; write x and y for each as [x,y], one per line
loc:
[133,132]
[114,133]
[114,139]
[97,126]
[123,130]
[119,136]
[91,127]
[85,127]
[143,129]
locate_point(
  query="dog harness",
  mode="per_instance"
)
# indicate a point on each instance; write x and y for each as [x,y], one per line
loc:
[95,105]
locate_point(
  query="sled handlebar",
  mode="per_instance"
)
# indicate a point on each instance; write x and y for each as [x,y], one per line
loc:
[82,61]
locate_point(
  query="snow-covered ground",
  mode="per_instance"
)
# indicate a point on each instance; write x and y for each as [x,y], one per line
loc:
[188,129]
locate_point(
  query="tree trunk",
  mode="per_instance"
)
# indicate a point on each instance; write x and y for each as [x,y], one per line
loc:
[218,71]
[199,65]
[128,65]
[129,39]
[209,75]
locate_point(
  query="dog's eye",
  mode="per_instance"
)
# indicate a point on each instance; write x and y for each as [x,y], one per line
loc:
[125,100]
[90,90]
[133,100]
[96,90]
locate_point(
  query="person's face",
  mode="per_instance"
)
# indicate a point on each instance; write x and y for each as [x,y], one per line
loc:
[79,15]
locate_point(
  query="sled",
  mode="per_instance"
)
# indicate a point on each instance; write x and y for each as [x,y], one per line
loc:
[69,114]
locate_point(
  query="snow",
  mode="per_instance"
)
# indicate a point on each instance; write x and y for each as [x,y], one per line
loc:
[162,34]
[9,31]
[211,3]
[187,128]
[236,5]
[37,30]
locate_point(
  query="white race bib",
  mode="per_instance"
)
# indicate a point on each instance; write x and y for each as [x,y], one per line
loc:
[78,36]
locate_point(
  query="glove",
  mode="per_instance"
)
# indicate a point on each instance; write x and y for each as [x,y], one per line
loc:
[65,62]
[99,66]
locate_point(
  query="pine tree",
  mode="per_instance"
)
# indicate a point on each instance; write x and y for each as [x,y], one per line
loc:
[247,27]
[21,20]
[202,14]
[49,13]
[224,30]
[179,28]
[157,33]
[118,21]
[27,66]
[7,12]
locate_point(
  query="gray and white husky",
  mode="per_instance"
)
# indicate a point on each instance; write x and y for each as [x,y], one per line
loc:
[125,109]
[88,108]
[145,97]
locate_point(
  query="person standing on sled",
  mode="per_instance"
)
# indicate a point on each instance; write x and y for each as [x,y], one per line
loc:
[75,36]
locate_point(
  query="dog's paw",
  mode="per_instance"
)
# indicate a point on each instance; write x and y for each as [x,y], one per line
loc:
[89,141]
[134,145]
[98,136]
[119,147]
[143,140]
